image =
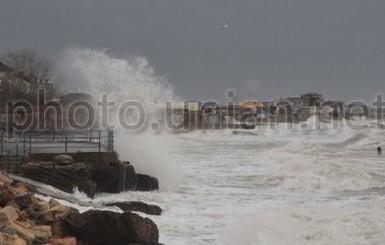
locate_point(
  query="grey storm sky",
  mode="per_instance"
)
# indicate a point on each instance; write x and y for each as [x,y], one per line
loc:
[272,49]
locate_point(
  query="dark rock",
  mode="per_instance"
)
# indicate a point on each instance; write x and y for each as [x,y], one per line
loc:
[45,218]
[243,133]
[137,206]
[49,175]
[64,178]
[104,227]
[61,228]
[130,177]
[24,201]
[88,187]
[90,173]
[6,195]
[107,179]
[31,213]
[147,183]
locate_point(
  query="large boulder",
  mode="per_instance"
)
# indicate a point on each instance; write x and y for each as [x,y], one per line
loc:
[63,160]
[21,189]
[6,195]
[22,229]
[146,183]
[28,232]
[7,239]
[44,213]
[105,227]
[42,233]
[8,214]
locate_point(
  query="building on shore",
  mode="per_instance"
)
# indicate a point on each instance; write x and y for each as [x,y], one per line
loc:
[211,115]
[301,108]
[194,117]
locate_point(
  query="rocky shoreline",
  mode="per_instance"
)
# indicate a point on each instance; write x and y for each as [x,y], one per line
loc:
[26,219]
[90,173]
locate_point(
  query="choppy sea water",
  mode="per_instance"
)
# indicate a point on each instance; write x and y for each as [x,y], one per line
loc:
[320,185]
[299,185]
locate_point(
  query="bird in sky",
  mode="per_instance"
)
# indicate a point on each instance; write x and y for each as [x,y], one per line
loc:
[225,26]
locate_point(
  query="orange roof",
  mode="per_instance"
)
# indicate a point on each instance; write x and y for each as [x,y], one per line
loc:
[252,105]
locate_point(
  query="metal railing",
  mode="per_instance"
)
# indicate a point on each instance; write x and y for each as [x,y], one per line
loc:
[14,148]
[11,157]
[11,160]
[53,141]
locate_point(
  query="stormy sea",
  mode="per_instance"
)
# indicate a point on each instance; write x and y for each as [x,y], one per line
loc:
[308,183]
[319,185]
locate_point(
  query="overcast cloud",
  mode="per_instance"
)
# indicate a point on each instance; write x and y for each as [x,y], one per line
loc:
[272,48]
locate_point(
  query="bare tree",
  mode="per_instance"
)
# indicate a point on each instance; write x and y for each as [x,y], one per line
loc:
[27,73]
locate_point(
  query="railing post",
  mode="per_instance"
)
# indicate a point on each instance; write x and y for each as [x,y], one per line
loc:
[2,141]
[24,145]
[17,155]
[8,162]
[110,140]
[100,142]
[53,135]
[65,142]
[30,143]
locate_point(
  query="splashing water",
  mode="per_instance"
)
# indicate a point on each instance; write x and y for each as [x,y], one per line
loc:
[98,72]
